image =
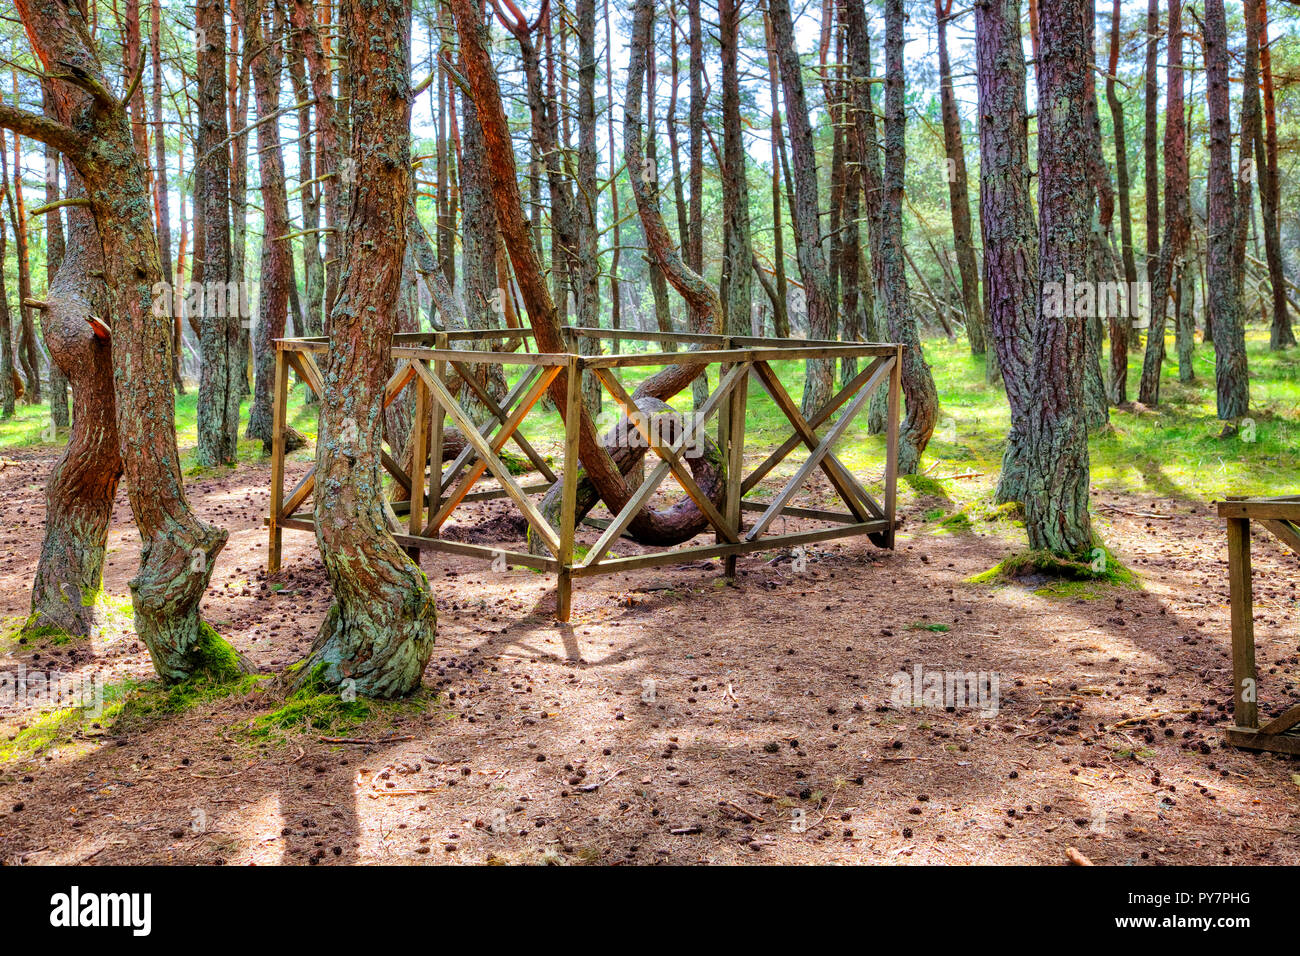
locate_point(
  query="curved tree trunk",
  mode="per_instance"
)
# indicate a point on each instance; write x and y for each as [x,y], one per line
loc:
[648,526]
[378,634]
[178,550]
[83,483]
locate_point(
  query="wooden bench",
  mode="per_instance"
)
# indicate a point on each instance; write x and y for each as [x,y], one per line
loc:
[1281,516]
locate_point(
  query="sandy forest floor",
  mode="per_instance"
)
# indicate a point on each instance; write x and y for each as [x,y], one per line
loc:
[680,720]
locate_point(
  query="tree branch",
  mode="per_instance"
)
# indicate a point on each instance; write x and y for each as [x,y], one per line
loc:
[42,129]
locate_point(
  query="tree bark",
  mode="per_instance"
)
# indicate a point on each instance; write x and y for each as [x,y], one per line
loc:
[1056,498]
[178,550]
[277,254]
[55,248]
[738,252]
[1281,334]
[1119,325]
[1177,212]
[1232,386]
[219,327]
[379,631]
[1007,218]
[959,189]
[1151,102]
[819,374]
[922,399]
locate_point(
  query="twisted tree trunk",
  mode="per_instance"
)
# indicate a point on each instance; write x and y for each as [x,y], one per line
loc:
[379,631]
[178,550]
[83,483]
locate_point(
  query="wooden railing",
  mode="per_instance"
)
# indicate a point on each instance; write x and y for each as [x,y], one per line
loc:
[430,364]
[1281,516]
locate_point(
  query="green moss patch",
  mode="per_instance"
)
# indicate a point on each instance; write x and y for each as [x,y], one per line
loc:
[1043,564]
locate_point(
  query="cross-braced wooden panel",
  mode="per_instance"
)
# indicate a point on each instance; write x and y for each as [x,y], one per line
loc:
[437,374]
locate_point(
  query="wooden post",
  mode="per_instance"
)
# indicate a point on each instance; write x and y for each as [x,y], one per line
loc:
[419,453]
[1245,688]
[735,452]
[278,414]
[439,425]
[891,442]
[569,491]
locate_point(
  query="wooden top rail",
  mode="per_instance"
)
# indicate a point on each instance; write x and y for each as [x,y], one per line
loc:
[411,346]
[1282,508]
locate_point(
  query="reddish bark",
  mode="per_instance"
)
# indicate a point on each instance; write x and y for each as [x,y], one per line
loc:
[379,631]
[178,549]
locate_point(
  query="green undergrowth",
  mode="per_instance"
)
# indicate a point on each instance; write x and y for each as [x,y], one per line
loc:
[152,700]
[64,725]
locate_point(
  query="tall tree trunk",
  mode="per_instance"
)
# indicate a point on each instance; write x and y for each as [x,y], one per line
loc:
[1119,325]
[959,189]
[1056,494]
[277,254]
[328,142]
[379,632]
[162,196]
[219,328]
[1103,267]
[900,321]
[1007,216]
[178,550]
[738,252]
[616,211]
[1151,103]
[1232,386]
[237,108]
[309,194]
[28,352]
[587,195]
[9,380]
[819,375]
[1177,212]
[780,303]
[1281,334]
[55,248]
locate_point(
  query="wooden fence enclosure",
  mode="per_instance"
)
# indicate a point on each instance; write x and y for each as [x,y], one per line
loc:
[432,365]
